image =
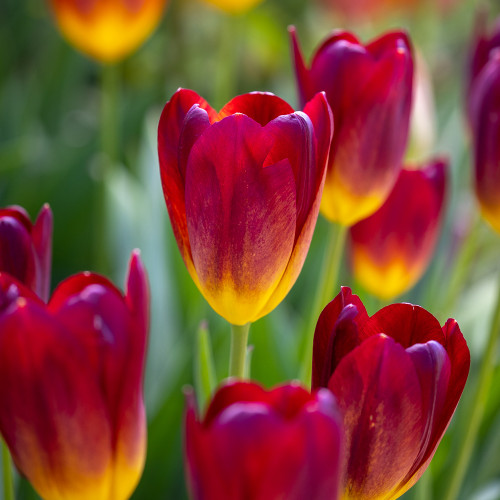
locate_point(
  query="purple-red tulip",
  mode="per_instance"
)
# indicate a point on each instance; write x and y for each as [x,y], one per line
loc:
[391,249]
[397,376]
[484,113]
[26,248]
[71,371]
[369,88]
[255,444]
[243,188]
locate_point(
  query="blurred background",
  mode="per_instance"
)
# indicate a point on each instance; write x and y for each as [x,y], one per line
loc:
[51,100]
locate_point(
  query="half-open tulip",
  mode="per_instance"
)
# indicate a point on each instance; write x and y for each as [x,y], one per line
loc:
[391,249]
[107,30]
[234,6]
[484,46]
[369,88]
[243,188]
[26,248]
[255,444]
[397,376]
[72,411]
[483,110]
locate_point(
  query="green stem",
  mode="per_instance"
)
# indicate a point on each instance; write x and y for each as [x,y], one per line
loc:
[110,156]
[324,293]
[8,479]
[238,353]
[205,377]
[477,407]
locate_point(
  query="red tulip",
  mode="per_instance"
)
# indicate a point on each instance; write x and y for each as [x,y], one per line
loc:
[483,48]
[391,249]
[369,89]
[26,248]
[484,111]
[397,376]
[72,411]
[255,444]
[243,189]
[107,30]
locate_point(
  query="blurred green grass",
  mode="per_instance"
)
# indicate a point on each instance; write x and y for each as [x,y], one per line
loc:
[50,150]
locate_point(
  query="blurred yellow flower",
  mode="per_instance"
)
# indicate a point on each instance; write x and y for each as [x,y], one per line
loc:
[234,6]
[107,30]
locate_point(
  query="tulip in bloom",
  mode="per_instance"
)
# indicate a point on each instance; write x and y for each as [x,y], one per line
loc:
[107,30]
[484,118]
[234,6]
[72,411]
[26,248]
[255,444]
[369,88]
[391,249]
[397,376]
[243,188]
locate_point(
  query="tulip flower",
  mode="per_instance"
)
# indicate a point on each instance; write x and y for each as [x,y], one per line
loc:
[483,48]
[391,249]
[243,189]
[397,376]
[255,444]
[72,411]
[369,88]
[234,6]
[26,248]
[107,30]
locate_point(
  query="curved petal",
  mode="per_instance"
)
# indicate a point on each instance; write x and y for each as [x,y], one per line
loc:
[171,124]
[262,107]
[337,333]
[240,217]
[407,324]
[42,242]
[379,393]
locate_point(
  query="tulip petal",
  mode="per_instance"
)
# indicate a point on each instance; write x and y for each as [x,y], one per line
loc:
[337,333]
[407,324]
[60,432]
[379,393]
[42,241]
[262,107]
[171,124]
[240,217]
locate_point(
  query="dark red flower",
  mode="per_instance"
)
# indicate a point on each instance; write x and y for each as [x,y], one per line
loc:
[255,444]
[243,188]
[71,371]
[397,376]
[369,88]
[26,248]
[391,249]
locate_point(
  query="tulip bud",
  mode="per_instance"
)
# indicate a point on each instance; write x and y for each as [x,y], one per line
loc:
[234,6]
[26,248]
[107,30]
[243,189]
[391,249]
[369,89]
[397,376]
[72,411]
[255,444]
[484,118]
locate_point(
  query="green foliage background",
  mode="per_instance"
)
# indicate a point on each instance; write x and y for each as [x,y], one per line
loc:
[50,101]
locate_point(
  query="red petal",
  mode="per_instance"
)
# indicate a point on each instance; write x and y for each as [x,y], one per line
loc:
[378,392]
[262,107]
[42,241]
[240,216]
[336,334]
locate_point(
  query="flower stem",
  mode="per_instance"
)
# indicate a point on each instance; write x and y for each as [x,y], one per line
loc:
[324,293]
[477,407]
[238,353]
[8,479]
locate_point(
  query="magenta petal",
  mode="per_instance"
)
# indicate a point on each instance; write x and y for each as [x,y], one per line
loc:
[379,393]
[42,242]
